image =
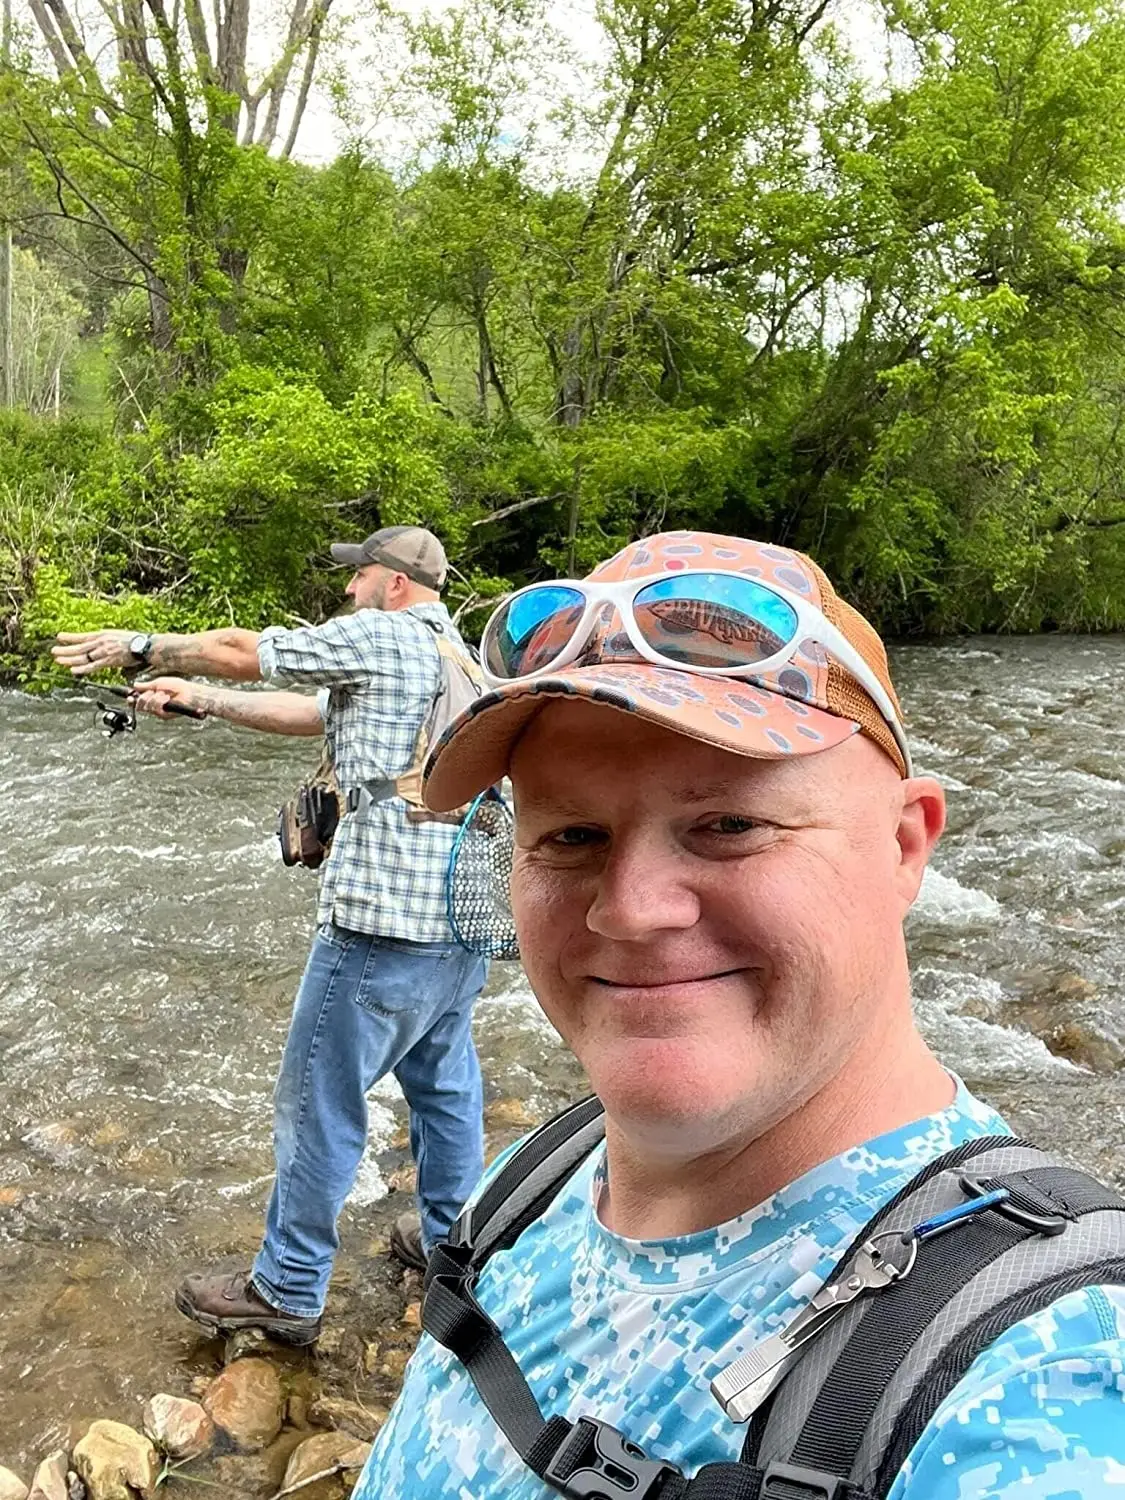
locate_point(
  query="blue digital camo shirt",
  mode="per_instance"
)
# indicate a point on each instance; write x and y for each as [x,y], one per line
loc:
[632,1332]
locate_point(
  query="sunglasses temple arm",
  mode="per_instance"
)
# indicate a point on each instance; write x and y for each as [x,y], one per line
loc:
[850,659]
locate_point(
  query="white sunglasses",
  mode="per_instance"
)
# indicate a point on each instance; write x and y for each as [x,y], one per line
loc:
[713,624]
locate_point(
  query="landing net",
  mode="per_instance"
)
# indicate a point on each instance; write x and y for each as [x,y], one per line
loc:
[477,885]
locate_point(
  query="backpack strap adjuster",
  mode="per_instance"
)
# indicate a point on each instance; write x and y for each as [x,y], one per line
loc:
[1016,1206]
[790,1482]
[596,1462]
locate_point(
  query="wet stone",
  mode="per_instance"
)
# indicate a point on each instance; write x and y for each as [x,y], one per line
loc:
[182,1429]
[246,1401]
[12,1486]
[512,1113]
[257,1474]
[49,1482]
[56,1141]
[297,1411]
[246,1341]
[348,1416]
[116,1463]
[1074,987]
[327,1451]
[340,1346]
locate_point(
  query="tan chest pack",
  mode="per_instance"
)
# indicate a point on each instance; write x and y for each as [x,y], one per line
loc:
[307,823]
[460,684]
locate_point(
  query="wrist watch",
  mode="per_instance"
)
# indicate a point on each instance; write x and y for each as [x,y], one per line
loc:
[140,648]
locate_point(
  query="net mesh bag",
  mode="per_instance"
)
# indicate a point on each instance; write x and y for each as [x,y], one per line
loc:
[477,885]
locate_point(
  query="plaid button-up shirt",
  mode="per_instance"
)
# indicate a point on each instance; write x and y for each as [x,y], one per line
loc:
[385,874]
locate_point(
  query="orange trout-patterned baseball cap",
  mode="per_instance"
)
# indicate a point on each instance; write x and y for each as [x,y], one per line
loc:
[809,704]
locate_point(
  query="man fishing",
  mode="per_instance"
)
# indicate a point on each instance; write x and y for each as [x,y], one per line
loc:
[782,1254]
[386,988]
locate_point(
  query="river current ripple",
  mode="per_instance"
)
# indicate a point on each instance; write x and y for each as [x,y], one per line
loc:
[151,943]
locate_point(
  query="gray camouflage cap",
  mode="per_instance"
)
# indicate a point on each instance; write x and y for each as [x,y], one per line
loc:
[407,549]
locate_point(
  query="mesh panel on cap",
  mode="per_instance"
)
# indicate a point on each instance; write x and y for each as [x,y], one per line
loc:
[845,696]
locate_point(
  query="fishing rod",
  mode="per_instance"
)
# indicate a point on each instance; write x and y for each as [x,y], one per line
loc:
[114,721]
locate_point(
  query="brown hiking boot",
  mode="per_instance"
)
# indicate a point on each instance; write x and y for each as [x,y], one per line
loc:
[406,1241]
[224,1302]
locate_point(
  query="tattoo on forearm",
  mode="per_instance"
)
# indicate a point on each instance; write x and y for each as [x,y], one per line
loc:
[216,653]
[177,654]
[261,711]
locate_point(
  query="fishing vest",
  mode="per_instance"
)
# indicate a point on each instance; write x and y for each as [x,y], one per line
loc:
[981,1238]
[459,684]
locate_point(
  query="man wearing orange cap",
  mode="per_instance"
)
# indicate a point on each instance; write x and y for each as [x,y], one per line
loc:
[779,1208]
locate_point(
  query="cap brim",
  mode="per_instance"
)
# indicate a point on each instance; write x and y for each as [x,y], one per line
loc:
[349,554]
[475,751]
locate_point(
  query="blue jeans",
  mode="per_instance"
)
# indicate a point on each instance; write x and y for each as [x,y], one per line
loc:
[369,1006]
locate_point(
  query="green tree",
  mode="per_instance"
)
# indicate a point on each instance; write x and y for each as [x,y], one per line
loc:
[147,155]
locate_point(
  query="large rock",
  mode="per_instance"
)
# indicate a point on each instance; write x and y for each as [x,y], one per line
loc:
[12,1486]
[116,1463]
[181,1428]
[348,1416]
[327,1451]
[49,1482]
[246,1401]
[255,1476]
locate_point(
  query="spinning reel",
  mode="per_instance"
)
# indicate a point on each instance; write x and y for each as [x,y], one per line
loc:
[112,721]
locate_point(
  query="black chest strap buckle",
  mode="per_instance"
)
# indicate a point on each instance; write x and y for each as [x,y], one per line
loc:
[790,1482]
[596,1462]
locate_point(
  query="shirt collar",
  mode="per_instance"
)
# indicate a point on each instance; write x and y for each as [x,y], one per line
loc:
[821,1211]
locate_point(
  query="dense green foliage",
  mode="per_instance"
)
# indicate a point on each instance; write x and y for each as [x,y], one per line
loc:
[740,280]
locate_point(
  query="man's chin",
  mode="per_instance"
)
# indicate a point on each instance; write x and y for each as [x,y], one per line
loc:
[665,1087]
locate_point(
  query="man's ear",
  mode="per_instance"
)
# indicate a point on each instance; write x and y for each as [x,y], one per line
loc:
[920,824]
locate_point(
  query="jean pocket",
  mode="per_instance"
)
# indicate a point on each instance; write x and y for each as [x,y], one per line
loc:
[398,978]
[336,937]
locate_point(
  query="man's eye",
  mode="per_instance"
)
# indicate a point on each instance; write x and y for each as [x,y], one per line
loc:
[731,823]
[576,837]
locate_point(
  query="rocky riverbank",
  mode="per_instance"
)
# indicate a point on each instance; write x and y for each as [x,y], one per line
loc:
[256,1420]
[267,1422]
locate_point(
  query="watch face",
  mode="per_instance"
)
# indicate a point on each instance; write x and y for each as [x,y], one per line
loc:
[139,645]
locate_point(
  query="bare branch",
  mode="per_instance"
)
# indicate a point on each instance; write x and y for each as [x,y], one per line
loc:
[304,29]
[200,42]
[511,510]
[69,33]
[63,64]
[409,348]
[306,82]
[95,272]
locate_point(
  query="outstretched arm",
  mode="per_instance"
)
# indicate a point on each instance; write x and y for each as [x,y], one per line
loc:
[230,653]
[273,713]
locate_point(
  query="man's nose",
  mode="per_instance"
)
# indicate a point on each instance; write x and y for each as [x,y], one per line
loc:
[641,890]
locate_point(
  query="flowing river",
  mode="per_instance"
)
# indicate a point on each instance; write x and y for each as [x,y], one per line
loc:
[151,943]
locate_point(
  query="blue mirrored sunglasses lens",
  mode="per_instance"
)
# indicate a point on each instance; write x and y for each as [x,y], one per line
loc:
[714,620]
[526,634]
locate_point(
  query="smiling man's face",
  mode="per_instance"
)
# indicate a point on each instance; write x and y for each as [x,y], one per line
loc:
[716,938]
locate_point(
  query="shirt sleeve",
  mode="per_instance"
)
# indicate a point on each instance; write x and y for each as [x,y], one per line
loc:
[353,651]
[1040,1415]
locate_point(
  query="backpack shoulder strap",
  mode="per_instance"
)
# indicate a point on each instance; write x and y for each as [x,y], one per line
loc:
[841,1421]
[528,1181]
[856,1404]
